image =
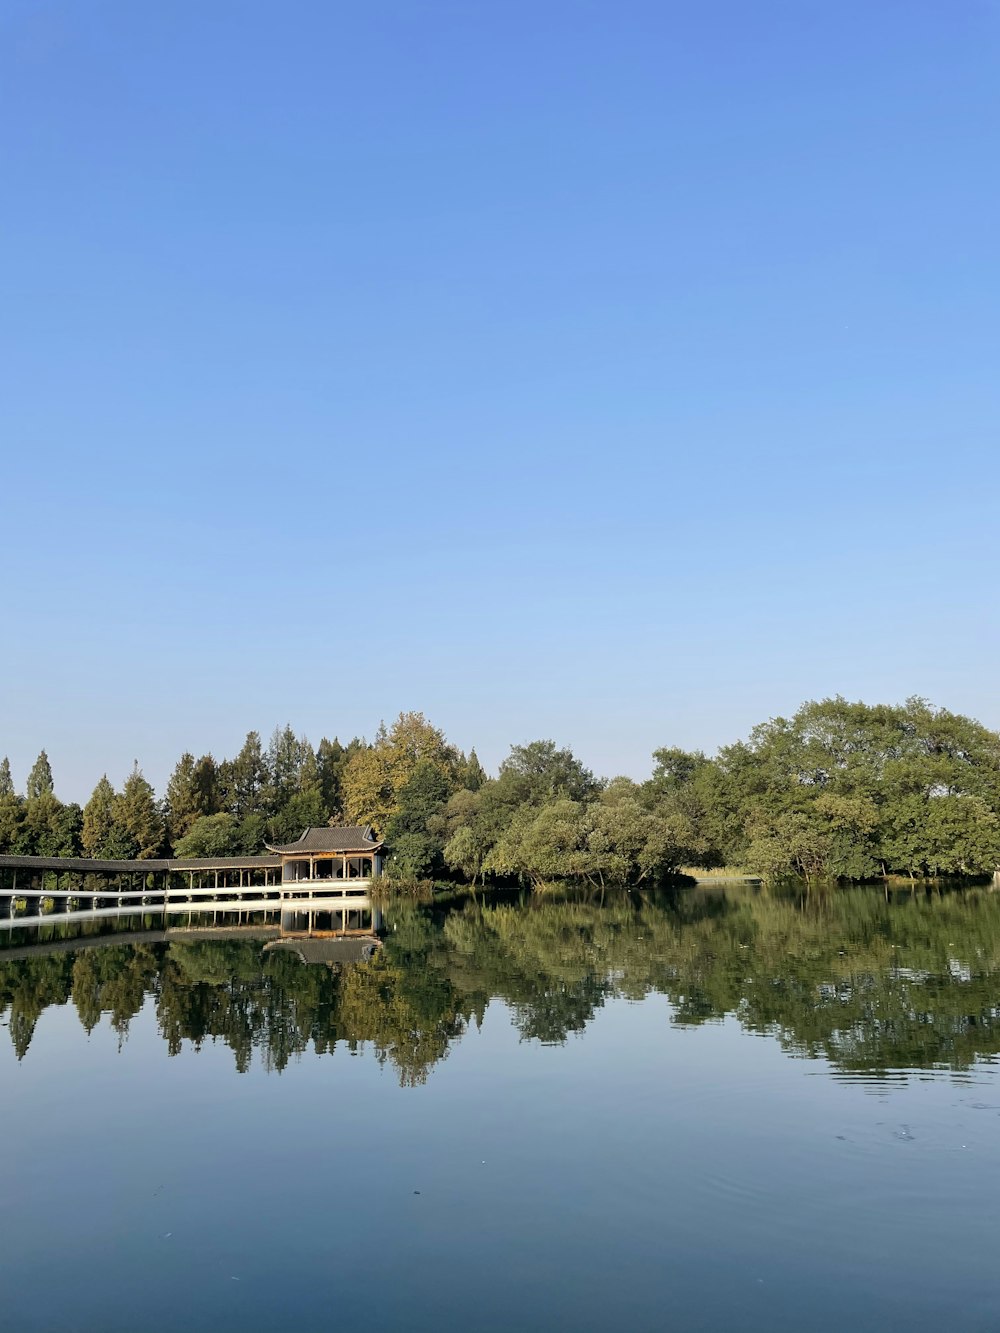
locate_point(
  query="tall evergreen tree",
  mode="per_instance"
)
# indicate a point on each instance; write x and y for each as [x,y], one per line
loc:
[309,779]
[11,810]
[181,800]
[139,814]
[11,814]
[305,807]
[246,780]
[205,782]
[330,762]
[102,834]
[194,791]
[286,754]
[471,774]
[40,778]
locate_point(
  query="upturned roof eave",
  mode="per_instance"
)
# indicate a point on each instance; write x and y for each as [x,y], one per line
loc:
[324,852]
[307,845]
[293,850]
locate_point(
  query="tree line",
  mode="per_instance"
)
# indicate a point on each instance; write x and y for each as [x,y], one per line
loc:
[839,790]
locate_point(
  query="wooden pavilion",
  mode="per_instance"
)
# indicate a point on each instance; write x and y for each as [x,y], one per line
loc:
[321,855]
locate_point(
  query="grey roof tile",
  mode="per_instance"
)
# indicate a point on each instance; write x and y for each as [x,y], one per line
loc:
[356,838]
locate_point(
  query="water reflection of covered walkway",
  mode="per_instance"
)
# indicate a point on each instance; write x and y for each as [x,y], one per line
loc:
[347,912]
[331,949]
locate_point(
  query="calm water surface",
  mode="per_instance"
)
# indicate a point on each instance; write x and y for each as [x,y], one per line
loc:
[722,1109]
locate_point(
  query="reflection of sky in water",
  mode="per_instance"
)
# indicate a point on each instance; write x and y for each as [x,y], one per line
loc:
[640,1175]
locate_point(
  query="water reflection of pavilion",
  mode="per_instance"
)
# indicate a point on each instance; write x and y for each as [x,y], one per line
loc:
[357,914]
[333,951]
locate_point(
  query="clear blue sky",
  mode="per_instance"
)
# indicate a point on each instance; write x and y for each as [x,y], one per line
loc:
[619,372]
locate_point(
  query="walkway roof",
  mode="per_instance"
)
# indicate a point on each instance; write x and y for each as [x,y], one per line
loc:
[92,866]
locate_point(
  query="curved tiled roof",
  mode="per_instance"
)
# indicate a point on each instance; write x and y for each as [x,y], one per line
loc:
[356,838]
[90,865]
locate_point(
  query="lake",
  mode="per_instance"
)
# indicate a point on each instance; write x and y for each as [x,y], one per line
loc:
[714,1109]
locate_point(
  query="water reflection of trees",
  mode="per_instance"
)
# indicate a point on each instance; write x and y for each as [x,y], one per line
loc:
[871,985]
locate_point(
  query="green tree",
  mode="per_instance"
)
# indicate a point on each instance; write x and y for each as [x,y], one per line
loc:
[846,789]
[104,834]
[212,835]
[540,771]
[182,806]
[11,815]
[48,828]
[304,806]
[632,838]
[675,769]
[40,778]
[330,759]
[367,789]
[309,778]
[286,757]
[467,851]
[466,836]
[11,810]
[206,786]
[545,842]
[139,816]
[305,809]
[486,835]
[246,780]
[471,774]
[374,776]
[415,834]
